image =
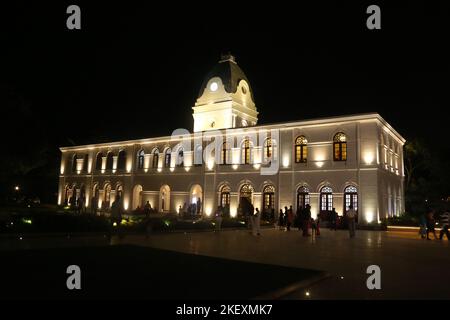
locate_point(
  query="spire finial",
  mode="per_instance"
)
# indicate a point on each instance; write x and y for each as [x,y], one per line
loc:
[227,57]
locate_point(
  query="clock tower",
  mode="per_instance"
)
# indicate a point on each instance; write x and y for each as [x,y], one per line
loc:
[225,99]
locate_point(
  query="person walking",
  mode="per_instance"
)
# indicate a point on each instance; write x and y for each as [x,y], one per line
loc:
[147,208]
[218,216]
[444,222]
[285,215]
[306,220]
[318,225]
[281,219]
[290,218]
[333,219]
[423,226]
[116,215]
[299,218]
[257,222]
[351,219]
[430,225]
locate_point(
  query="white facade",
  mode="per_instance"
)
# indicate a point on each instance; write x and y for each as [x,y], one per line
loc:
[360,154]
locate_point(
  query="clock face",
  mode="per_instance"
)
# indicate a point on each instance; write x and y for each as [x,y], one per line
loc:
[213,87]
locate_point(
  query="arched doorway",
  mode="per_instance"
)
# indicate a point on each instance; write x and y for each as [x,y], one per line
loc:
[351,198]
[107,197]
[245,199]
[164,197]
[196,198]
[303,198]
[95,198]
[326,202]
[137,197]
[119,191]
[67,193]
[82,198]
[269,198]
[224,199]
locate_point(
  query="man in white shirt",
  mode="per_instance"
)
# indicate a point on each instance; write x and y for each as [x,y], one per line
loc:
[351,217]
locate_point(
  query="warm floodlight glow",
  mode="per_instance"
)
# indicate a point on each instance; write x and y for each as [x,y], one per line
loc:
[285,161]
[17,188]
[210,164]
[213,87]
[235,166]
[208,211]
[368,158]
[233,212]
[257,166]
[125,204]
[128,167]
[159,169]
[172,169]
[319,164]
[369,216]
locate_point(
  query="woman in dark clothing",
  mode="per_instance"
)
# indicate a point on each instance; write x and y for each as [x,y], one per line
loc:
[281,219]
[306,220]
[430,225]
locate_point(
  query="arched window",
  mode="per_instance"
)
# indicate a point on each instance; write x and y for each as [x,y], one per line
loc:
[121,160]
[225,196]
[167,157]
[109,161]
[74,163]
[301,149]
[326,199]
[180,160]
[303,197]
[351,198]
[340,147]
[267,150]
[140,159]
[225,153]
[98,161]
[86,163]
[245,151]
[269,197]
[198,156]
[155,159]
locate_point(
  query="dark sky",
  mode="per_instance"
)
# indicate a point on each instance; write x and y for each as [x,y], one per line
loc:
[134,70]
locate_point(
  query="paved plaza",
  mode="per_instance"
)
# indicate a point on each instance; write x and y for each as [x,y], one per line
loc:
[411,268]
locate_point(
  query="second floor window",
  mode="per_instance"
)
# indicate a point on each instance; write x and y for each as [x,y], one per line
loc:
[246,152]
[140,159]
[301,149]
[225,151]
[167,158]
[340,147]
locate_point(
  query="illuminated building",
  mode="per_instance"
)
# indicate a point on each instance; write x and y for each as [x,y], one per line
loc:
[326,162]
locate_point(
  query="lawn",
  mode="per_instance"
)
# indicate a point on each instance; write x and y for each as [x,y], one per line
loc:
[131,272]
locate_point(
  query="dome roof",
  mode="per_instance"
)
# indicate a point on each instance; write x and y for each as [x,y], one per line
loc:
[230,74]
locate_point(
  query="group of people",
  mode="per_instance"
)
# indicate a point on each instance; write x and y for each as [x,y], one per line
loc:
[428,222]
[191,210]
[304,222]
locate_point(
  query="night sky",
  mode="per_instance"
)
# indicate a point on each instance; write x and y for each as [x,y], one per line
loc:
[134,70]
